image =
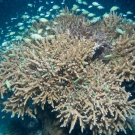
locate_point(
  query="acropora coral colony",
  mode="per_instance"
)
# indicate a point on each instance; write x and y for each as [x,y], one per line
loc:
[77,68]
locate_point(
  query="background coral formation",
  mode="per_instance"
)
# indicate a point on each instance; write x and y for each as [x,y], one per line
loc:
[77,68]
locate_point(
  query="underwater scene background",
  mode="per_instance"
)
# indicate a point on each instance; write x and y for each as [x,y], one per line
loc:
[67,67]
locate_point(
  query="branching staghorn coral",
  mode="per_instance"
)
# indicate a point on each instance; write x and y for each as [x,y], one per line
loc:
[68,72]
[77,26]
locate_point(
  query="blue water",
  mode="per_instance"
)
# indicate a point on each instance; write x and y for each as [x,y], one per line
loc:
[10,9]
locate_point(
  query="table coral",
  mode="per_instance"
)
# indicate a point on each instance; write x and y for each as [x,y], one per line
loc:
[78,72]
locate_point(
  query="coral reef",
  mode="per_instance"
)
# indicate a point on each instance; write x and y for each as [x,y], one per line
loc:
[50,124]
[78,72]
